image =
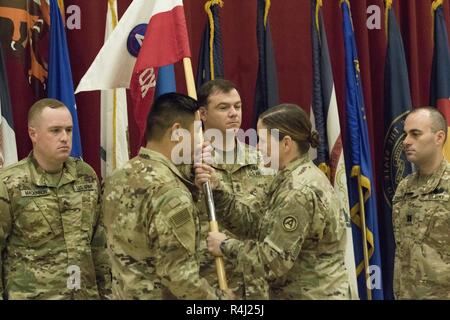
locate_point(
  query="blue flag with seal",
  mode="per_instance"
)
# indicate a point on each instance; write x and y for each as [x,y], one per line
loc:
[397,104]
[210,61]
[440,72]
[363,207]
[60,84]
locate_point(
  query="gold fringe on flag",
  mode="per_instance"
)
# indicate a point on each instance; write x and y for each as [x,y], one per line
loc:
[434,6]
[208,5]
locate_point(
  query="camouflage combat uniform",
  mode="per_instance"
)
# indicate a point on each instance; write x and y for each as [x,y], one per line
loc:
[50,233]
[243,176]
[152,230]
[421,217]
[299,251]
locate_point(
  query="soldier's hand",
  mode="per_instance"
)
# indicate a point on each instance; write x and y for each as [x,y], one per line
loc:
[214,239]
[229,294]
[204,154]
[205,173]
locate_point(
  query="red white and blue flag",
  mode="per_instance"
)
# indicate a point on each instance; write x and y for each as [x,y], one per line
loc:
[151,34]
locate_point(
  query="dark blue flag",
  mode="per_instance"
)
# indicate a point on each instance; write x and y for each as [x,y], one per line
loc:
[397,104]
[330,154]
[361,189]
[60,84]
[440,74]
[266,94]
[210,61]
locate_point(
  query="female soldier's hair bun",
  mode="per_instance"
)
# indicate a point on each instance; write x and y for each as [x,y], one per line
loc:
[314,139]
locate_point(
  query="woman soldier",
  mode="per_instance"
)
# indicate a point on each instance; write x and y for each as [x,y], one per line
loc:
[297,251]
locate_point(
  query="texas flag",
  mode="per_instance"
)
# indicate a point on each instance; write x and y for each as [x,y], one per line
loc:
[151,34]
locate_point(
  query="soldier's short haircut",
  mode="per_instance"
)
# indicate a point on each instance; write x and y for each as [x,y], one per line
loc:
[36,109]
[211,87]
[438,121]
[168,109]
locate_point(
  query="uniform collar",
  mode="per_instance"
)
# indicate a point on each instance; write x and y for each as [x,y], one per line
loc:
[41,178]
[243,156]
[148,154]
[286,171]
[291,166]
[432,182]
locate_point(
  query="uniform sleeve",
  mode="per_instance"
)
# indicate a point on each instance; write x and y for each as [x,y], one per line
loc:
[177,231]
[396,203]
[5,230]
[289,225]
[100,256]
[239,214]
[187,173]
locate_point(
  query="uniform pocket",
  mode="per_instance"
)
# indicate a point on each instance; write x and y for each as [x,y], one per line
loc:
[438,233]
[413,219]
[39,222]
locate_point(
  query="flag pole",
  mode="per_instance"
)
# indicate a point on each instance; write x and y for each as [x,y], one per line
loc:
[362,212]
[213,225]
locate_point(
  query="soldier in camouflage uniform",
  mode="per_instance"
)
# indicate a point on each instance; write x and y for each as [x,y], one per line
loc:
[150,217]
[421,211]
[298,251]
[52,243]
[238,166]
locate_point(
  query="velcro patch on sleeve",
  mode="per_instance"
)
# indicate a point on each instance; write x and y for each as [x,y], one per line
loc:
[174,202]
[180,218]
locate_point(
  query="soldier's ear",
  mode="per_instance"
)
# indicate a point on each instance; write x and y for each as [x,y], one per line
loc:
[287,143]
[440,137]
[203,112]
[175,132]
[32,133]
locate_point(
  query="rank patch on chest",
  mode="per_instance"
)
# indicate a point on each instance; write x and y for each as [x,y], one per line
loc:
[409,218]
[290,223]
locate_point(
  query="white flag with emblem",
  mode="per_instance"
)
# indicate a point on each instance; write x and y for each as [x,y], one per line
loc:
[114,115]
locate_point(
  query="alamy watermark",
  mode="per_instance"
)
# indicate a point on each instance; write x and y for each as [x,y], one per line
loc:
[374,17]
[374,280]
[186,151]
[74,278]
[73,17]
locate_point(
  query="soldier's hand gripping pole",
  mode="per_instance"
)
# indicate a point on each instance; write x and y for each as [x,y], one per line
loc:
[213,226]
